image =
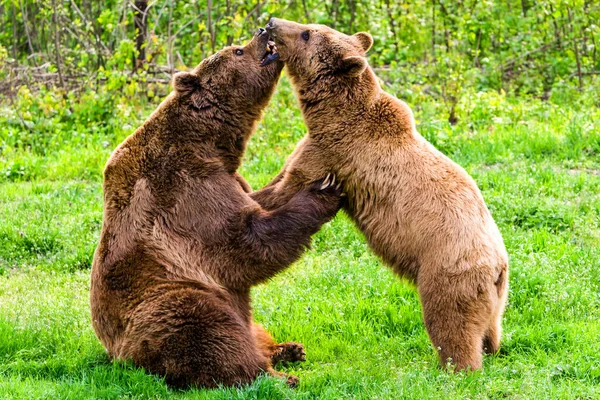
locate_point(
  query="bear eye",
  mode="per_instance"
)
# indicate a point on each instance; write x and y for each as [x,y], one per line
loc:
[305,35]
[239,52]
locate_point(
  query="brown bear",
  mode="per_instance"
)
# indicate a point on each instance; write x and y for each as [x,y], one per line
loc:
[420,212]
[182,242]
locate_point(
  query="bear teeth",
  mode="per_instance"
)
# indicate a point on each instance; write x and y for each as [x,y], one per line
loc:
[270,55]
[270,47]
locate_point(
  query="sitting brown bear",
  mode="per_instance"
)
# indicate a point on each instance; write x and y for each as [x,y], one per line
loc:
[420,212]
[182,242]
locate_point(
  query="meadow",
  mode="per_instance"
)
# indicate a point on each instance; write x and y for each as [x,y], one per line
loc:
[536,161]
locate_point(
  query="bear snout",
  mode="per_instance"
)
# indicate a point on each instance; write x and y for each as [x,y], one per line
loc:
[271,23]
[272,27]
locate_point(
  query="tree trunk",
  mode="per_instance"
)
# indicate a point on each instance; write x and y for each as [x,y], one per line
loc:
[305,11]
[140,19]
[524,7]
[25,25]
[433,31]
[230,14]
[576,49]
[14,26]
[57,44]
[211,31]
[392,24]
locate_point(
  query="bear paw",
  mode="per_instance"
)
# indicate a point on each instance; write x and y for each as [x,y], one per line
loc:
[292,381]
[288,353]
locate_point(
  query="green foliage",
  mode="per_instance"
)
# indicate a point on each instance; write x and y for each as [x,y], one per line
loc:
[505,73]
[521,46]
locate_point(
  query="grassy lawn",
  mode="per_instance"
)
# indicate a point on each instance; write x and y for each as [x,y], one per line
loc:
[537,164]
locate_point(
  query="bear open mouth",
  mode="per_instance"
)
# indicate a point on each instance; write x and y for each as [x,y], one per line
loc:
[271,54]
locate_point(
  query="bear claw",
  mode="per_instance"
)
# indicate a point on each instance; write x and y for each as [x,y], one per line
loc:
[326,182]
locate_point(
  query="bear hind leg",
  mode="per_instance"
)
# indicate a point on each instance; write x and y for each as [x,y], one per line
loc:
[193,339]
[455,327]
[457,345]
[491,341]
[287,352]
[278,352]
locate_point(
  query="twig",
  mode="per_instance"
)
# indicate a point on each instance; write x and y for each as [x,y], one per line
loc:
[574,74]
[76,36]
[12,105]
[305,10]
[14,26]
[510,63]
[209,25]
[45,65]
[256,7]
[392,24]
[476,61]
[186,25]
[84,19]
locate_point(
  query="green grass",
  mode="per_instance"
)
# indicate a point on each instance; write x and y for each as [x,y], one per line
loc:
[537,163]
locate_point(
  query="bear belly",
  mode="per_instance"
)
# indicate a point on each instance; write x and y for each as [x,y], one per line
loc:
[384,232]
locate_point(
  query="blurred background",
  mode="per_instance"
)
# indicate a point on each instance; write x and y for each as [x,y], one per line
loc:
[440,46]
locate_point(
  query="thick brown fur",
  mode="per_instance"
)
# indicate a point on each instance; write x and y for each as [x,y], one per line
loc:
[420,211]
[182,242]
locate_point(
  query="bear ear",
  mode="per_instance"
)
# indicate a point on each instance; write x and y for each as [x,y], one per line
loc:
[188,84]
[365,40]
[185,82]
[353,66]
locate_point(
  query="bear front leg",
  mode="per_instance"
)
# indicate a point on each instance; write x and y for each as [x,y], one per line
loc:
[273,240]
[491,341]
[277,179]
[245,185]
[276,195]
[306,164]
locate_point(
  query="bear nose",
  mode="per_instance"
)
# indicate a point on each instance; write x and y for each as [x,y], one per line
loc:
[270,24]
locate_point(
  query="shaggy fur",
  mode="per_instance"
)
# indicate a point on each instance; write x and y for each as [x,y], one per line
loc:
[182,242]
[420,212]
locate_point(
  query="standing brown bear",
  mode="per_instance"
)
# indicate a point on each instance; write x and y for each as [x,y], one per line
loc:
[420,212]
[182,242]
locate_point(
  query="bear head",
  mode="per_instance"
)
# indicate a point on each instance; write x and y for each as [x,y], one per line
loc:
[232,80]
[316,52]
